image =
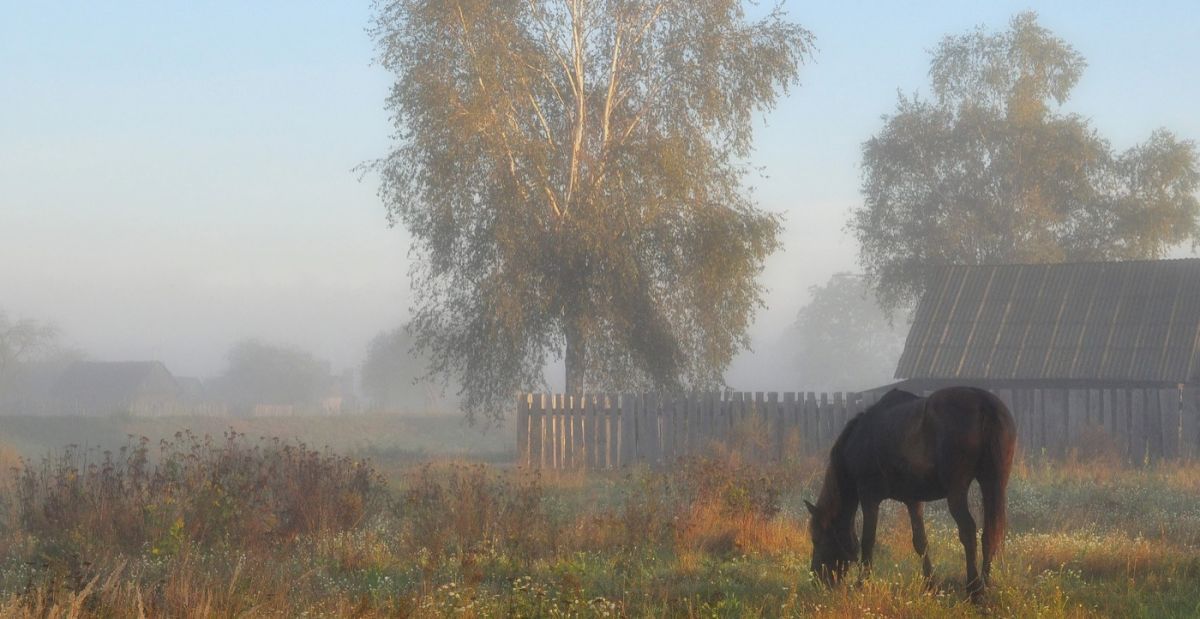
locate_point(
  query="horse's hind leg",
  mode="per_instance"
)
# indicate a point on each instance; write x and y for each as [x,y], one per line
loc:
[916,518]
[961,512]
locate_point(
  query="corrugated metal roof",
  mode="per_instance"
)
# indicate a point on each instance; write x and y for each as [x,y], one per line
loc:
[1137,320]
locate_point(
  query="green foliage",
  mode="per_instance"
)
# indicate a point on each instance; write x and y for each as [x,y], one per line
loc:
[845,340]
[571,174]
[989,172]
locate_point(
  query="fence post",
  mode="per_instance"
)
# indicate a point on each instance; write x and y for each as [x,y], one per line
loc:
[774,427]
[625,430]
[592,432]
[524,402]
[1154,429]
[1054,411]
[1037,427]
[580,430]
[1188,425]
[839,415]
[1121,428]
[1076,418]
[1168,405]
[567,414]
[808,422]
[609,412]
[667,427]
[826,416]
[653,417]
[1106,413]
[793,436]
[539,429]
[1137,427]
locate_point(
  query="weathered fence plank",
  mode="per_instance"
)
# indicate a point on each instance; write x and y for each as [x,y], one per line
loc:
[523,404]
[1189,424]
[1121,405]
[1137,426]
[1076,417]
[1154,437]
[1168,410]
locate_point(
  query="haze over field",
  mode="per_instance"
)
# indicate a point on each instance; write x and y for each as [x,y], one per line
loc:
[175,178]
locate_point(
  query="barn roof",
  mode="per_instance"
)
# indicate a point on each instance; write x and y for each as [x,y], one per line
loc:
[107,381]
[1136,320]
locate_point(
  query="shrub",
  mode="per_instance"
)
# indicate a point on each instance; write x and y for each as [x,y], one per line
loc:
[194,491]
[467,510]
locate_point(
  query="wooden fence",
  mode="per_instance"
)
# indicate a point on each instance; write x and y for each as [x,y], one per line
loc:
[615,430]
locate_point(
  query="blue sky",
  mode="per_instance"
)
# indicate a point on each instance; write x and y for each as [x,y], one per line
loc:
[175,176]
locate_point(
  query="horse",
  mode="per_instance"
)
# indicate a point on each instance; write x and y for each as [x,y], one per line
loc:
[913,449]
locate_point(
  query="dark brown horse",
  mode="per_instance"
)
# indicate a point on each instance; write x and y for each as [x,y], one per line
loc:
[912,450]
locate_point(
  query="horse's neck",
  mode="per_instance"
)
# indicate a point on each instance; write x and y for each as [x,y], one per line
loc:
[839,497]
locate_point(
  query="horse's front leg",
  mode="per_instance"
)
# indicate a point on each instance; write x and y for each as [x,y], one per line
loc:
[870,510]
[916,518]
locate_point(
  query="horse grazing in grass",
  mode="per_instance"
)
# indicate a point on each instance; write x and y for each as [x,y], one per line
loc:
[913,449]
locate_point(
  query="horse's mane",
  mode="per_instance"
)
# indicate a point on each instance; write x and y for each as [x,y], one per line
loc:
[831,497]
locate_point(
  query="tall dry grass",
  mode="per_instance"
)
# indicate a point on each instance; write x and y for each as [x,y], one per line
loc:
[197,527]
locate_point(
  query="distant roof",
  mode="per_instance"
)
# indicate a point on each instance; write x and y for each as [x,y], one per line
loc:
[1135,320]
[107,381]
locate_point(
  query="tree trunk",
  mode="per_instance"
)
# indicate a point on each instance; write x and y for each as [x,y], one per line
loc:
[574,363]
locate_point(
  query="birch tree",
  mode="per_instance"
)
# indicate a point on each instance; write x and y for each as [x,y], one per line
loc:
[991,170]
[571,173]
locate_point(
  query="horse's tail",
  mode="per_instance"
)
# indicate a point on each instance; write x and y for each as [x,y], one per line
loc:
[996,463]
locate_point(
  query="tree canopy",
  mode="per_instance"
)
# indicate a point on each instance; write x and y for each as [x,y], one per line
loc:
[261,373]
[571,175]
[20,341]
[990,170]
[396,379]
[845,342]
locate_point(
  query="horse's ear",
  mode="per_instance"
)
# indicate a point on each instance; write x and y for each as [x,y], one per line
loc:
[812,509]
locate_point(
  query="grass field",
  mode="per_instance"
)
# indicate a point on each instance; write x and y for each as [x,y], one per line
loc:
[437,523]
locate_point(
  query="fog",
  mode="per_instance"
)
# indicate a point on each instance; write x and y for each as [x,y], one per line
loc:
[177,179]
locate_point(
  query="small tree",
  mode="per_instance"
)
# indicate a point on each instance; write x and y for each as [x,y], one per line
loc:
[31,358]
[844,340]
[260,373]
[22,341]
[989,171]
[395,378]
[571,175]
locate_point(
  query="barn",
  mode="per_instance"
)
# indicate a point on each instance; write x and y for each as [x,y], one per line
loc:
[142,388]
[1078,350]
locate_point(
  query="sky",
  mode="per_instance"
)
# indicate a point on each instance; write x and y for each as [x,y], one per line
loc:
[175,176]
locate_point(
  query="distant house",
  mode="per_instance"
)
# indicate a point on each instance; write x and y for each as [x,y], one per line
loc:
[191,389]
[1082,325]
[143,388]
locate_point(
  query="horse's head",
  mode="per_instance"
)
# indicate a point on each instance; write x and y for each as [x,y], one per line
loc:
[833,549]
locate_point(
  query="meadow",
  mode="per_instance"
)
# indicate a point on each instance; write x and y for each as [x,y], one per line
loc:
[428,518]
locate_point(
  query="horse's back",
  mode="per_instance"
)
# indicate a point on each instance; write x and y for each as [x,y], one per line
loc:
[973,411]
[914,447]
[978,432]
